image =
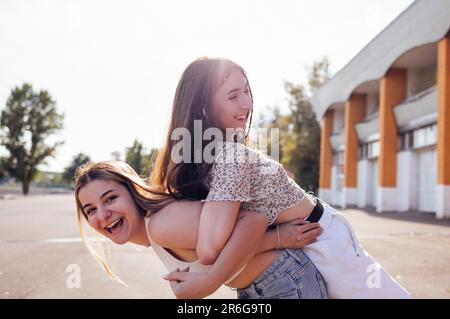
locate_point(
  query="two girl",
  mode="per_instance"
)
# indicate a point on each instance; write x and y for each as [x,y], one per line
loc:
[243,192]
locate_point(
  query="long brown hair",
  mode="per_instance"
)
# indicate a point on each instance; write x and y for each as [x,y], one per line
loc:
[146,198]
[193,101]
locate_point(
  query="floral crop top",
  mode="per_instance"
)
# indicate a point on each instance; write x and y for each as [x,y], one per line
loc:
[242,174]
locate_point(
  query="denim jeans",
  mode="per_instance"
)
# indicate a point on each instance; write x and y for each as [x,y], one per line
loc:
[291,276]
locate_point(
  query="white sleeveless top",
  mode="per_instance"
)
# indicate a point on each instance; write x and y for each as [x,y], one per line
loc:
[173,263]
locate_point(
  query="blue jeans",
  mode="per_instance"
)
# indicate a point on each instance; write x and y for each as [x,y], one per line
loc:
[291,276]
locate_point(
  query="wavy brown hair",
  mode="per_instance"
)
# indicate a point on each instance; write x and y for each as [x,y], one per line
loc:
[193,101]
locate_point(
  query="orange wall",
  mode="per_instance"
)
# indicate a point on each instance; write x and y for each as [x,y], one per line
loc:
[443,87]
[326,153]
[392,92]
[355,110]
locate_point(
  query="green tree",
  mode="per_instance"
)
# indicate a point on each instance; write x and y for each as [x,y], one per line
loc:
[2,168]
[141,161]
[133,156]
[302,139]
[27,121]
[69,171]
[318,74]
[299,129]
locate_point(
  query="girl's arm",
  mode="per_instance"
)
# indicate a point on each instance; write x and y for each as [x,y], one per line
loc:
[241,246]
[295,234]
[176,227]
[217,221]
[229,186]
[215,229]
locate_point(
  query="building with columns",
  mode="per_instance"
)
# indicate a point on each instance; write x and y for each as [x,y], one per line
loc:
[385,118]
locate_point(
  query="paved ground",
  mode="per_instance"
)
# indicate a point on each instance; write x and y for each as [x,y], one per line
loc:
[39,242]
[414,247]
[11,191]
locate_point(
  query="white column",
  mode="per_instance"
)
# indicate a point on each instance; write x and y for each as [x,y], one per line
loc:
[334,191]
[350,196]
[443,201]
[325,195]
[405,180]
[386,199]
[363,183]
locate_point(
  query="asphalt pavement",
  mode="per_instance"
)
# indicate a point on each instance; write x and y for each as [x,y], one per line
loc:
[42,255]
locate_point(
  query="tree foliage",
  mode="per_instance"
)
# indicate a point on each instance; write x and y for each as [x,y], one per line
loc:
[133,156]
[139,160]
[77,161]
[2,168]
[26,123]
[300,130]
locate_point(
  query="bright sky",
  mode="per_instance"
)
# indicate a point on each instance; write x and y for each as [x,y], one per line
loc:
[113,66]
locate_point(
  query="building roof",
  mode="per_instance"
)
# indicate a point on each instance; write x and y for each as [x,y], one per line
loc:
[423,22]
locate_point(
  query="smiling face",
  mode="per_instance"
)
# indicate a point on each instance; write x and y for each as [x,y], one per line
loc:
[112,212]
[232,102]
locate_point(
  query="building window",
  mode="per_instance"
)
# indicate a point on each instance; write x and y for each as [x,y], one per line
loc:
[405,141]
[425,136]
[418,138]
[373,149]
[363,151]
[369,150]
[401,143]
[338,158]
[410,139]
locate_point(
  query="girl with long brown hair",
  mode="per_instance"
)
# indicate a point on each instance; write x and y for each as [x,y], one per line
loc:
[215,94]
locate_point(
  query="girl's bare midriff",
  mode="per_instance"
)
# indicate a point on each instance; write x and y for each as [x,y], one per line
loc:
[254,268]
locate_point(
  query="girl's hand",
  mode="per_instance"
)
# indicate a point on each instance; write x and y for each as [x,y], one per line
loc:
[298,233]
[189,285]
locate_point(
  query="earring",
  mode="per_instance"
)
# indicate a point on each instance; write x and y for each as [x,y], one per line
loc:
[204,112]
